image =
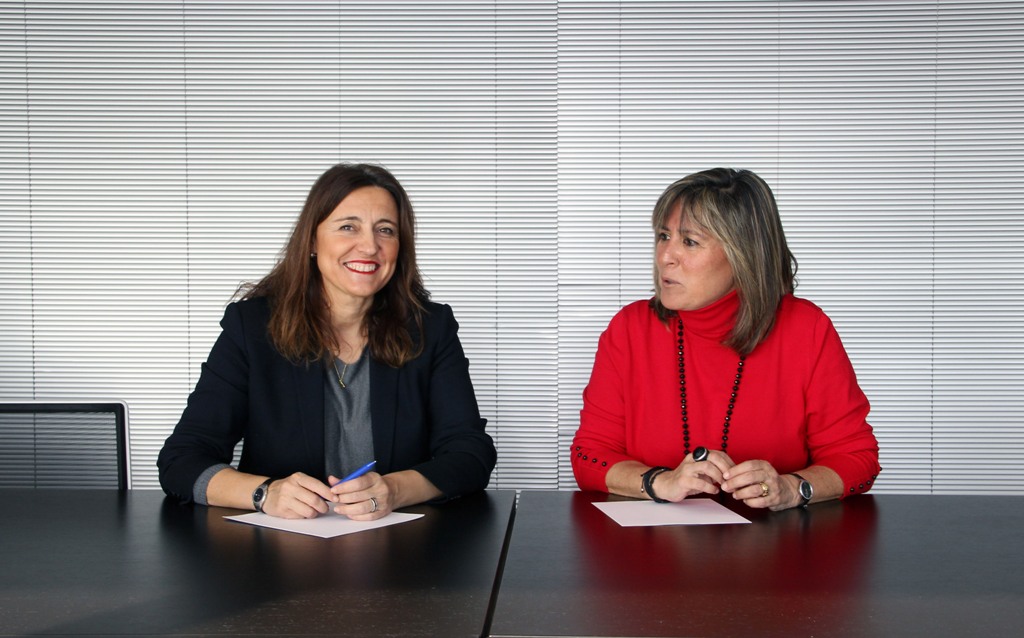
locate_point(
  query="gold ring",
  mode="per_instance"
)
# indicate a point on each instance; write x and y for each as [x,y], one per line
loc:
[764,489]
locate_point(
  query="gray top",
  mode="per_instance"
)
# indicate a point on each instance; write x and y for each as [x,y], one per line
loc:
[348,433]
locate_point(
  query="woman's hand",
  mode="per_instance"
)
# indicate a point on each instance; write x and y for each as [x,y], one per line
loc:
[365,498]
[693,477]
[757,484]
[297,496]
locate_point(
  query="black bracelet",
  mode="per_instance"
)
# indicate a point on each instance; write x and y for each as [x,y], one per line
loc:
[647,482]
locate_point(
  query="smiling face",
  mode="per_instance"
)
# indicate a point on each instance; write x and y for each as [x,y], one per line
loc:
[693,270]
[356,248]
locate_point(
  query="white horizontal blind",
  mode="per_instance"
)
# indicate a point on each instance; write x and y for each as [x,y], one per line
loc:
[979,261]
[153,155]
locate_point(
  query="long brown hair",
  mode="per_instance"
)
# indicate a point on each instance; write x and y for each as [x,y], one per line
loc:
[300,326]
[737,208]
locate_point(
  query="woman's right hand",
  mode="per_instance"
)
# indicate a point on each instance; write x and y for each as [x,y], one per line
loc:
[693,477]
[298,496]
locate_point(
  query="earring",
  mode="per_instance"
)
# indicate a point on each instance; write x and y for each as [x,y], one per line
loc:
[312,255]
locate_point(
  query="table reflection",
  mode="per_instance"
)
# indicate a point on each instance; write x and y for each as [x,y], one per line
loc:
[249,568]
[789,566]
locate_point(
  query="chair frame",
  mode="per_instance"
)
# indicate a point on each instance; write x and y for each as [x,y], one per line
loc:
[118,408]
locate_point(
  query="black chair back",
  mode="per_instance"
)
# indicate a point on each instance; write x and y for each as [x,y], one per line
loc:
[70,445]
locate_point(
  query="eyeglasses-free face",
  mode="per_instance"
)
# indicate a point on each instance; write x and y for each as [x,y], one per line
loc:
[356,247]
[693,270]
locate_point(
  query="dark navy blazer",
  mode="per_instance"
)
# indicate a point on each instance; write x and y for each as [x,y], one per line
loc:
[425,415]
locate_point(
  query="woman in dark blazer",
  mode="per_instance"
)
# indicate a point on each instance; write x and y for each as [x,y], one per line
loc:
[337,357]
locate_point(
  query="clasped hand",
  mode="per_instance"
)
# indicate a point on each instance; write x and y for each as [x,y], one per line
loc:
[754,482]
[364,498]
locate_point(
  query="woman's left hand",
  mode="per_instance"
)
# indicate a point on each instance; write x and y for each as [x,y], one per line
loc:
[757,484]
[365,498]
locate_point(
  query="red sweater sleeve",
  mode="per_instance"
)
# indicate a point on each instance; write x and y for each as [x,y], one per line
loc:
[838,434]
[600,441]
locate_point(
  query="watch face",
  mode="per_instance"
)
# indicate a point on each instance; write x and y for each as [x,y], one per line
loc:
[258,497]
[806,491]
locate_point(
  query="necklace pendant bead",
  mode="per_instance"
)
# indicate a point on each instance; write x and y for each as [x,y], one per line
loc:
[340,374]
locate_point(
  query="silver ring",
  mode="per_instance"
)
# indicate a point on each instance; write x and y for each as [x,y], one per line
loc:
[374,501]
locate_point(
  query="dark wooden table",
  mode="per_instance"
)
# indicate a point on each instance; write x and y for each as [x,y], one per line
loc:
[133,563]
[883,565]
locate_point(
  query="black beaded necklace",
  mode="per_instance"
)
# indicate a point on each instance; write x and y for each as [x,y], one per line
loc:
[682,396]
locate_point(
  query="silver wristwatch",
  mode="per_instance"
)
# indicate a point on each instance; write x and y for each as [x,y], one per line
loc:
[259,495]
[806,490]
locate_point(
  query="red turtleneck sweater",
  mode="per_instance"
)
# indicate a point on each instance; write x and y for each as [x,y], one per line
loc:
[798,403]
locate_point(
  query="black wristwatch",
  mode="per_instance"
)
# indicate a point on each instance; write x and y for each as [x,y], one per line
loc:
[806,490]
[259,495]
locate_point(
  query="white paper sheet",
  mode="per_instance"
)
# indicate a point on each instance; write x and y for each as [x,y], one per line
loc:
[697,511]
[325,526]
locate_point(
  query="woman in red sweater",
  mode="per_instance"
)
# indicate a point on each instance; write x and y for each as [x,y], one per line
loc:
[724,380]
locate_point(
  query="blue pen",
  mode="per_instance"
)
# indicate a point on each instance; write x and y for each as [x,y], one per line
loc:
[363,470]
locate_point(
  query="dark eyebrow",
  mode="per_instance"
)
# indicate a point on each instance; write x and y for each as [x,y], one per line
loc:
[357,218]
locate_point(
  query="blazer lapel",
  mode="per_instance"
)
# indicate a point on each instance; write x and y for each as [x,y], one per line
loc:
[383,411]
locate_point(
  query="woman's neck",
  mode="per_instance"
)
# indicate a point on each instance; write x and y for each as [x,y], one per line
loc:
[349,329]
